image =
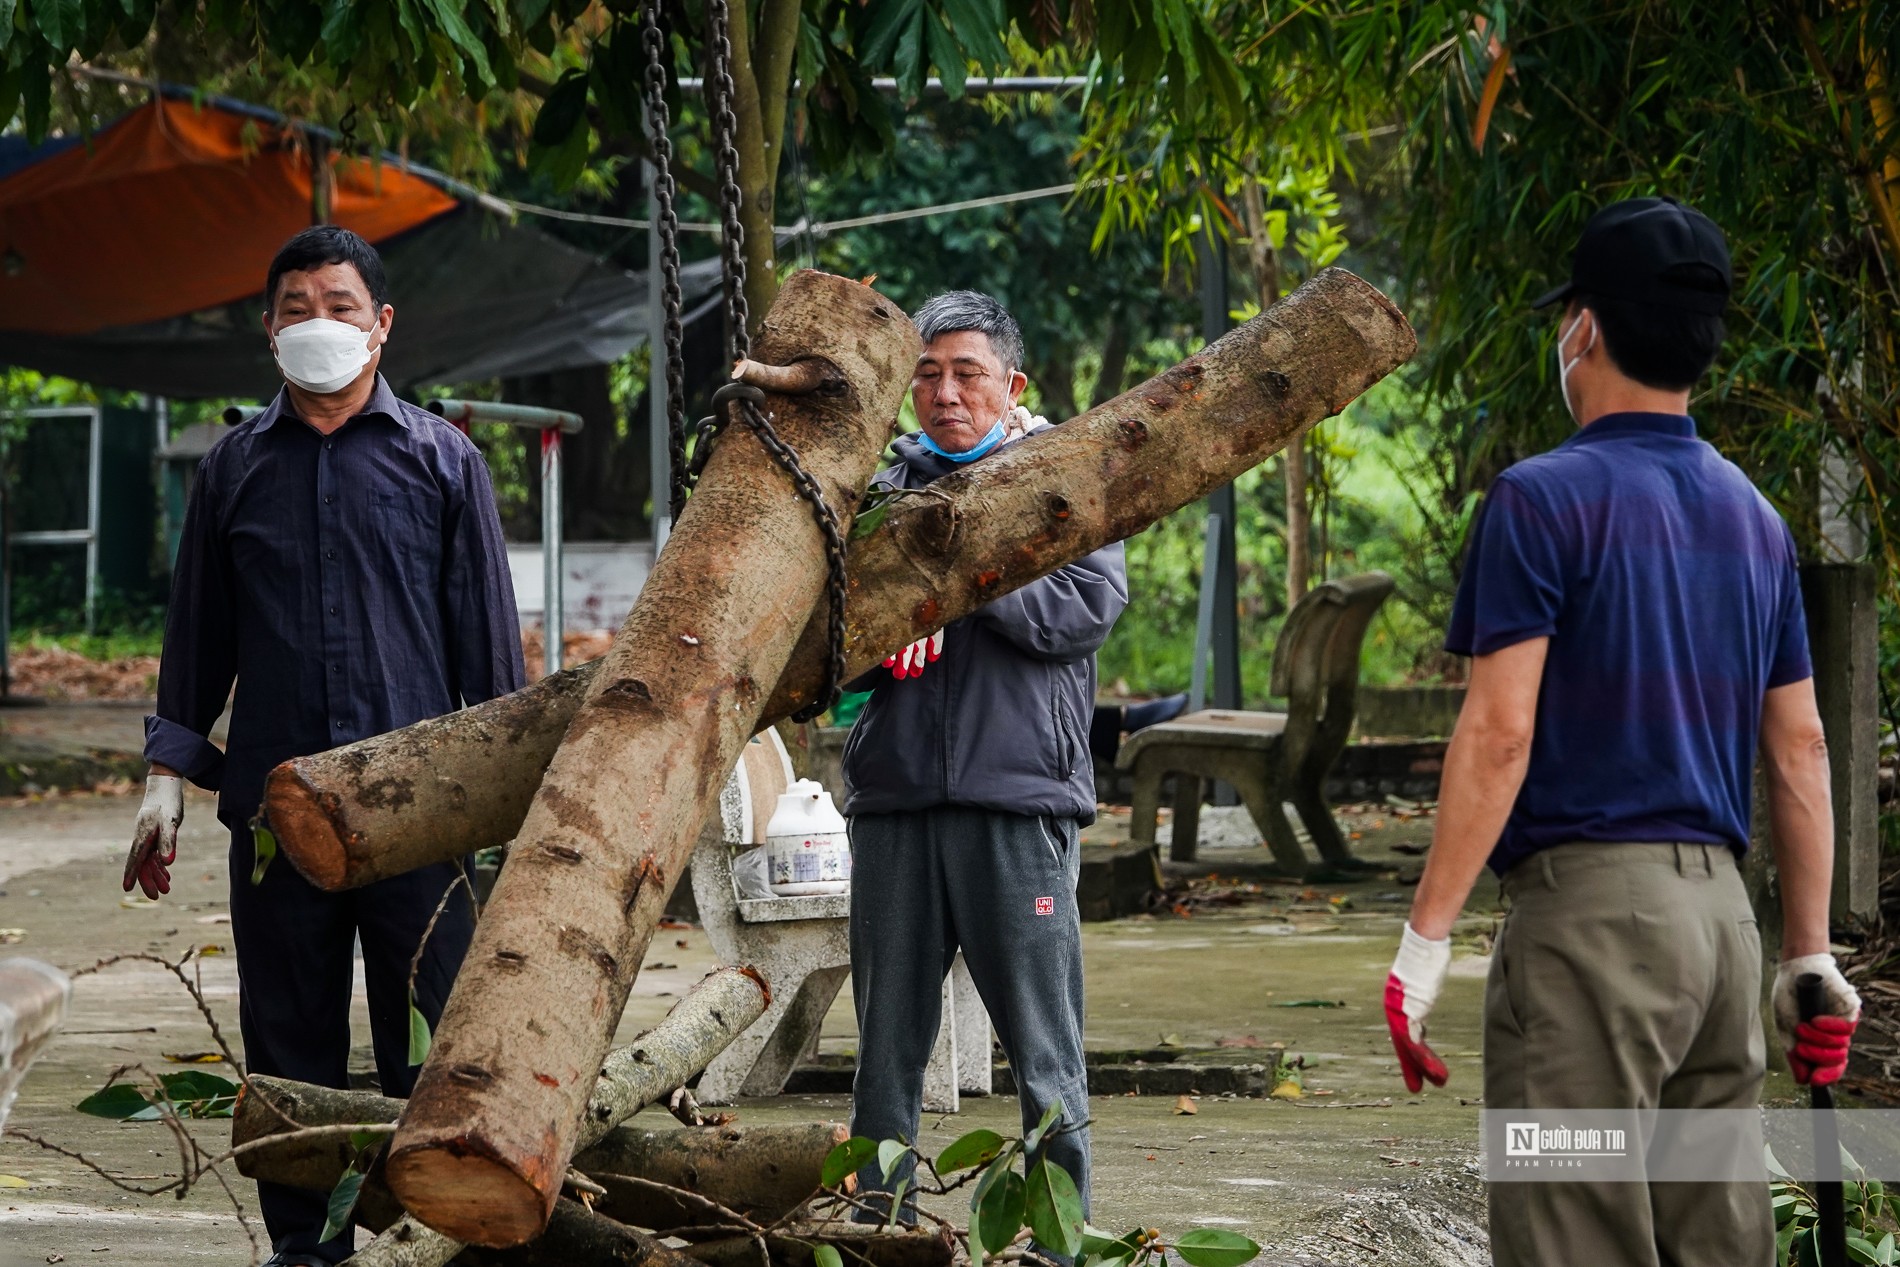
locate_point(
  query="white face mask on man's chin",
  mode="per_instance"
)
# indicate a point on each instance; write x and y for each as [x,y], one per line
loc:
[321,355]
[1564,367]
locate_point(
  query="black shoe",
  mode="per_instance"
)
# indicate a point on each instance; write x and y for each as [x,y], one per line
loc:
[287,1259]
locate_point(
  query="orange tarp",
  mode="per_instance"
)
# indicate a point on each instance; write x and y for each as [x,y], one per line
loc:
[172,209]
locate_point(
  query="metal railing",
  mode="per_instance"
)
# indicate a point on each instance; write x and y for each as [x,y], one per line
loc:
[552,424]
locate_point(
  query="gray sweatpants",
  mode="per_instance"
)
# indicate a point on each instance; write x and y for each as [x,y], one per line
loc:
[1001,888]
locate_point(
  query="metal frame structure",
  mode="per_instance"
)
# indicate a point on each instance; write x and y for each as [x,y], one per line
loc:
[552,424]
[87,536]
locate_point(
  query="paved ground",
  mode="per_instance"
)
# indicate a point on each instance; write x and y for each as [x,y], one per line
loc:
[1365,1174]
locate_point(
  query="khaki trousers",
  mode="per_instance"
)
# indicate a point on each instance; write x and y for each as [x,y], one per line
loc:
[1626,976]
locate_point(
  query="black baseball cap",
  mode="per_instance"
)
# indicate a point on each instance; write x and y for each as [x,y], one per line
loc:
[1650,251]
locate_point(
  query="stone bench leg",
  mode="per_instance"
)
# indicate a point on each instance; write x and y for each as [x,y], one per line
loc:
[760,1060]
[960,1061]
[1188,792]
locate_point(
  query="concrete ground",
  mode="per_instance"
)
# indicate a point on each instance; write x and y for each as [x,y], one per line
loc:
[1357,1172]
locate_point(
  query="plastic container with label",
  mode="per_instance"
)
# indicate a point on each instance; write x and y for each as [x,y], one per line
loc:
[807,852]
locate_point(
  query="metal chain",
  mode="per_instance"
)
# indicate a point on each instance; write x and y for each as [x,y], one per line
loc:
[743,400]
[719,94]
[666,222]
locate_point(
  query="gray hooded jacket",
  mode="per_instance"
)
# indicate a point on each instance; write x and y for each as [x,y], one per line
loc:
[1001,720]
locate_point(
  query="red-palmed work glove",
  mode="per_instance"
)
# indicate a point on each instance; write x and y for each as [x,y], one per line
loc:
[155,835]
[911,660]
[1817,1049]
[1410,990]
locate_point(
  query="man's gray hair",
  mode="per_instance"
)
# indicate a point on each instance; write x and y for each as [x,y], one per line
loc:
[956,310]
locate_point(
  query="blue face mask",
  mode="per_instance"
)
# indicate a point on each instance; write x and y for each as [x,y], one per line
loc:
[988,442]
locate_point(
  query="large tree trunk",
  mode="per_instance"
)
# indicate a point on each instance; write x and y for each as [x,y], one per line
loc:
[431,791]
[486,1136]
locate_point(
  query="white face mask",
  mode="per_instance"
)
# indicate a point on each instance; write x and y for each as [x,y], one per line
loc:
[1564,367]
[321,355]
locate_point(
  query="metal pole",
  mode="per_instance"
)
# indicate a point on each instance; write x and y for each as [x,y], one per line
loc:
[1225,633]
[554,613]
[659,465]
[92,516]
[1204,618]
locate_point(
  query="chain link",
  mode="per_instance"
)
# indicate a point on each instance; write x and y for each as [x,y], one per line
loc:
[741,401]
[666,222]
[719,95]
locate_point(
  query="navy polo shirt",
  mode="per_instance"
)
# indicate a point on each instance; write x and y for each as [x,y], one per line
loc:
[1667,587]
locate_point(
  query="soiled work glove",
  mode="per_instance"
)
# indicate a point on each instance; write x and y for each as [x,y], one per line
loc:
[911,660]
[1418,974]
[1817,1049]
[155,835]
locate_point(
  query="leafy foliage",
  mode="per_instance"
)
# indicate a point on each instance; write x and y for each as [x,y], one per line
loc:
[189,1093]
[1017,1194]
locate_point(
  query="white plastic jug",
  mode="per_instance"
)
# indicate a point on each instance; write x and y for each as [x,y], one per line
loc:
[806,849]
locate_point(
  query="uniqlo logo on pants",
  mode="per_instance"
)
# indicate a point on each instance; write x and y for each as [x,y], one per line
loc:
[1045,906]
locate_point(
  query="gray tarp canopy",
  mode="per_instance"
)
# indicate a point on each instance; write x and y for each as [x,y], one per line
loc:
[475,296]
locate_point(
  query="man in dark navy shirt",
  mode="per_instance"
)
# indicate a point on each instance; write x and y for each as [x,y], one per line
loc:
[342,562]
[1633,614]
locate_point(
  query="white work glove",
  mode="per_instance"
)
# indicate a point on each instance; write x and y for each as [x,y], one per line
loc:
[1019,422]
[911,660]
[1412,987]
[1817,1049]
[155,835]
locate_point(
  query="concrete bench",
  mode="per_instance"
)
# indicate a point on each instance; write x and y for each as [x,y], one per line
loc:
[1271,759]
[801,945]
[33,999]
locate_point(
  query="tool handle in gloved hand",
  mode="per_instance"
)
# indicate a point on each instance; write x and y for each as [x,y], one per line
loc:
[1830,1204]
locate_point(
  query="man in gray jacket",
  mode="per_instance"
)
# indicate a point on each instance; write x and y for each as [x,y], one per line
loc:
[969,779]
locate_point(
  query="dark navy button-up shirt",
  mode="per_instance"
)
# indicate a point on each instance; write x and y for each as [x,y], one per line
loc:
[1667,587]
[351,584]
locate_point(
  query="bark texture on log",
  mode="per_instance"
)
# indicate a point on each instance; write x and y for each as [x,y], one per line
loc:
[699,1027]
[575,1237]
[440,788]
[860,1246]
[762,1172]
[486,1136]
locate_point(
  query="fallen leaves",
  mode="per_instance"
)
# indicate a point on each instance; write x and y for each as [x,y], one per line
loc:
[11,936]
[1184,1106]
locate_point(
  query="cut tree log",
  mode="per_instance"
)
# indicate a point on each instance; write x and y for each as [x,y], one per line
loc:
[860,1246]
[761,1172]
[33,999]
[486,1136]
[443,787]
[575,1237]
[714,1012]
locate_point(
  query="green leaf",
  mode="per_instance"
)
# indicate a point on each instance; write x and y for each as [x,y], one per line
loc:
[1213,1247]
[1790,304]
[1054,1209]
[360,1140]
[890,1154]
[263,849]
[6,36]
[866,524]
[419,1036]
[563,111]
[978,1148]
[897,1203]
[1049,1116]
[947,55]
[341,31]
[1099,1249]
[979,27]
[449,15]
[1000,1215]
[908,60]
[847,1159]
[826,1256]
[888,22]
[119,1102]
[62,22]
[342,1203]
[1861,1250]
